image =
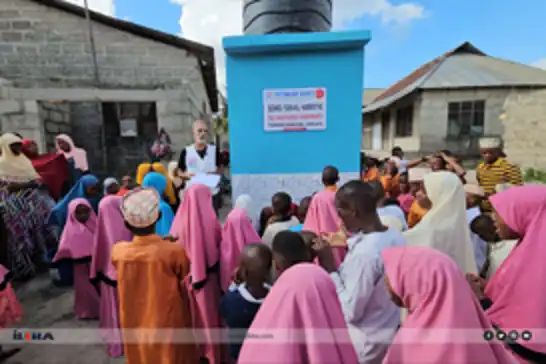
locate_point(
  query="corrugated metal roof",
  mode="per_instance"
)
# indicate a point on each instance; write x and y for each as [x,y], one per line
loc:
[469,70]
[465,66]
[422,71]
[382,102]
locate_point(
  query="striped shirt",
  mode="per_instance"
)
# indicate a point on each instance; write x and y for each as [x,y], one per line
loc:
[490,175]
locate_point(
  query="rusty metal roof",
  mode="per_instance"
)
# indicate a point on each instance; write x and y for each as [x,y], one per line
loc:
[465,66]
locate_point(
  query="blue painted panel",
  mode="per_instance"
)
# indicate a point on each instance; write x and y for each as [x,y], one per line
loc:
[255,151]
[295,42]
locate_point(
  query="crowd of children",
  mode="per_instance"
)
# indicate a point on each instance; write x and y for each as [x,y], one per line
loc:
[406,265]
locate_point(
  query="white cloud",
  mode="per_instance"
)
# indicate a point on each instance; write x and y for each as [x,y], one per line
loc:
[208,21]
[541,63]
[101,6]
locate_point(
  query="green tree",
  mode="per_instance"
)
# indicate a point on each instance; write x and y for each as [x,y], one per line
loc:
[532,175]
[220,125]
[220,120]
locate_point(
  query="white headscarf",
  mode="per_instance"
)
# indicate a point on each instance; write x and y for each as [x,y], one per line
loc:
[445,226]
[15,168]
[391,222]
[245,202]
[108,182]
[79,155]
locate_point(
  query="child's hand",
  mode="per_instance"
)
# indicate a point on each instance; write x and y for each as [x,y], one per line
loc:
[338,240]
[477,284]
[323,251]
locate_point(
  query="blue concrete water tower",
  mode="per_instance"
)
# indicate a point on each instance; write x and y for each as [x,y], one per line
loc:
[295,106]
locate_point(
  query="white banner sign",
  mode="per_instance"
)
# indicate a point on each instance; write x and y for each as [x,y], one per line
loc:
[295,109]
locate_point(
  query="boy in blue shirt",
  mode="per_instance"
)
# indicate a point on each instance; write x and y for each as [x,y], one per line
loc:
[245,296]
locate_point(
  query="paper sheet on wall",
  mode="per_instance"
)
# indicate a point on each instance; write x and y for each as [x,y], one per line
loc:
[210,180]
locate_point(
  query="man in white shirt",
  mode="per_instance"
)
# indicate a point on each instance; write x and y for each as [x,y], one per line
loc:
[371,316]
[200,158]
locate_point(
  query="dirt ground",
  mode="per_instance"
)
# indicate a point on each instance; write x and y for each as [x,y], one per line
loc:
[48,307]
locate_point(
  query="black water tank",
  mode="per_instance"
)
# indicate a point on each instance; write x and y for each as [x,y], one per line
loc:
[286,16]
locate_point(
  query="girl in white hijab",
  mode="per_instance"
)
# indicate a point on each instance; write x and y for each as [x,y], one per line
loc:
[445,226]
[245,202]
[110,186]
[392,222]
[15,167]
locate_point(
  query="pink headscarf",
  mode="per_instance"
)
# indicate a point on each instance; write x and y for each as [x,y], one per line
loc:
[236,233]
[4,273]
[110,230]
[303,315]
[406,200]
[77,238]
[198,230]
[445,322]
[518,303]
[322,218]
[79,155]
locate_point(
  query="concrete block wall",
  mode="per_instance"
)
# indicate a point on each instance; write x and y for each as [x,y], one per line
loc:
[55,117]
[49,48]
[433,114]
[524,125]
[22,117]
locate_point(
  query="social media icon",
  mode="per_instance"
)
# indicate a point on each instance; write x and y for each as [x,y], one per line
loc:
[488,335]
[501,335]
[513,335]
[526,335]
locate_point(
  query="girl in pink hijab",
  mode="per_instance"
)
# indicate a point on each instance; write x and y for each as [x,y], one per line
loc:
[198,230]
[66,146]
[76,244]
[405,198]
[515,301]
[110,230]
[303,318]
[445,322]
[236,233]
[322,218]
[10,309]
